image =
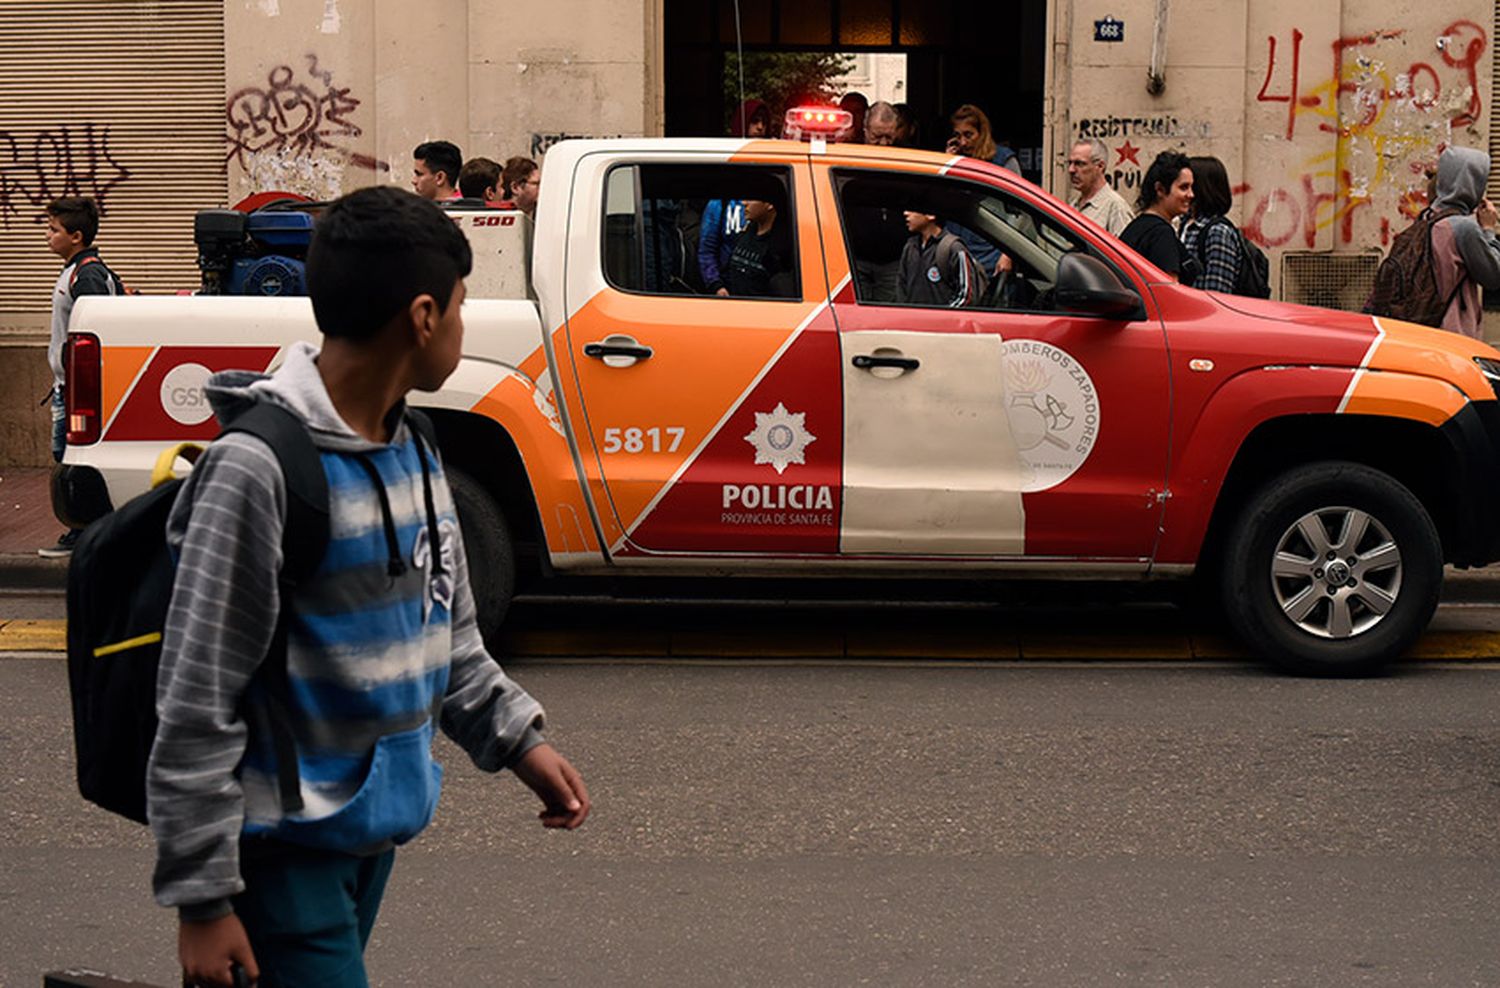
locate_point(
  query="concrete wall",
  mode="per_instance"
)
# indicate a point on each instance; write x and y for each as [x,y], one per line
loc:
[330,95]
[25,425]
[1324,113]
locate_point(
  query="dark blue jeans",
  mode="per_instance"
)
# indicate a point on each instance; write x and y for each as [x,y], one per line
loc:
[59,424]
[309,913]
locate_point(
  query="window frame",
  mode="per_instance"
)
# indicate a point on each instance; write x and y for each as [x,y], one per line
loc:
[783,174]
[842,174]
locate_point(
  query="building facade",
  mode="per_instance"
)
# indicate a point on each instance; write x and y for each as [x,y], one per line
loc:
[1326,115]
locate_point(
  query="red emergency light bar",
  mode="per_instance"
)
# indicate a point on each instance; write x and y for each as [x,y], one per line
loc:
[804,123]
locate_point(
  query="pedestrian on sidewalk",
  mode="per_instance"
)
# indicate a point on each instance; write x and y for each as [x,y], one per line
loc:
[522,183]
[1097,199]
[435,169]
[1166,196]
[1465,248]
[381,642]
[72,225]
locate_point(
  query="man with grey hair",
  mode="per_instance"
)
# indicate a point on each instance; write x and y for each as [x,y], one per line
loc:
[1096,199]
[882,125]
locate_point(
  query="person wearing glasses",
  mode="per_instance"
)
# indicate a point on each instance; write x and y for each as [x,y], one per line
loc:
[1097,199]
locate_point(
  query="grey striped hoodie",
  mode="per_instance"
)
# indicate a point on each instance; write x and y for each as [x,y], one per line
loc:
[209,781]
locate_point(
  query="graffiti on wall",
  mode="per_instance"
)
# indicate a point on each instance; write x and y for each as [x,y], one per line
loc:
[295,132]
[66,160]
[1119,136]
[1373,116]
[1389,117]
[540,143]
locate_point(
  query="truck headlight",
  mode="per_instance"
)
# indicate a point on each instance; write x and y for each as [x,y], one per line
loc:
[1491,371]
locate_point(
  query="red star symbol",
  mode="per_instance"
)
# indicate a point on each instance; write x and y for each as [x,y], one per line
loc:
[1128,152]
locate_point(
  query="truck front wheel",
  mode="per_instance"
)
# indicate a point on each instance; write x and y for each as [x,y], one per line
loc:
[491,555]
[1332,569]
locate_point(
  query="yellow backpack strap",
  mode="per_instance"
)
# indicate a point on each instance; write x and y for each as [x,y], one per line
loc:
[162,472]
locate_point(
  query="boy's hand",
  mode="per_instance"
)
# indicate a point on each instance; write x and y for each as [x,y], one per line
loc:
[1486,214]
[208,950]
[557,783]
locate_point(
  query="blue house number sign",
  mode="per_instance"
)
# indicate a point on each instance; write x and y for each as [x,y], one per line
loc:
[1109,29]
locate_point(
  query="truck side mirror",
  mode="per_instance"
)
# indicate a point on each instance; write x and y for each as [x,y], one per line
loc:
[1088,286]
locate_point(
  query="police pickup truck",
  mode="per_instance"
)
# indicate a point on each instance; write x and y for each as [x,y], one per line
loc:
[1083,415]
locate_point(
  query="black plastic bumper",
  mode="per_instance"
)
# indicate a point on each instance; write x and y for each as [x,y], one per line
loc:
[1473,437]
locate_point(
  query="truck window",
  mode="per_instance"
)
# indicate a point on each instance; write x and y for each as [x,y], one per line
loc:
[719,231]
[894,266]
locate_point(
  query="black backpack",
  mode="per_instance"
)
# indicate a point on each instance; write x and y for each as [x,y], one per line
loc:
[119,585]
[1254,278]
[1406,281]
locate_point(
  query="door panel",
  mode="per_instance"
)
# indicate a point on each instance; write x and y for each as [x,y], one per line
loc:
[932,466]
[1045,434]
[666,377]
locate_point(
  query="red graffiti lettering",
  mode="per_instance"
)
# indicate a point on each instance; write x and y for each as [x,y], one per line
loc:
[1280,202]
[1293,97]
[1463,50]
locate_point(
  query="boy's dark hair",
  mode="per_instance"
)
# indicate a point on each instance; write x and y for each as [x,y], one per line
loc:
[77,214]
[1211,195]
[375,250]
[517,170]
[1163,171]
[477,175]
[441,156]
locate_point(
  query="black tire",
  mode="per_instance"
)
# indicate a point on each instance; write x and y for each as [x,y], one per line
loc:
[1345,632]
[490,551]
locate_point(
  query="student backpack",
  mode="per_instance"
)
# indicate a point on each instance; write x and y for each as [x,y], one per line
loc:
[116,286]
[947,246]
[1406,281]
[119,586]
[1254,278]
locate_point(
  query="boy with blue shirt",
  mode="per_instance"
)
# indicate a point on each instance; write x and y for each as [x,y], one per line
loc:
[382,644]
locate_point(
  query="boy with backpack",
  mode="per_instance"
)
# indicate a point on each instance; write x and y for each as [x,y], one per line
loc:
[1436,266]
[936,268]
[72,225]
[275,846]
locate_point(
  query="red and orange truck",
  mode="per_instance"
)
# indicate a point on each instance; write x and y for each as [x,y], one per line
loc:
[615,413]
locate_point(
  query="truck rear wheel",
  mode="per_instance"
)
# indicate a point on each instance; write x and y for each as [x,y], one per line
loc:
[490,552]
[1332,569]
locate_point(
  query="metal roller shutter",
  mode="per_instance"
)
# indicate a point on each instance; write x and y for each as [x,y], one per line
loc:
[120,100]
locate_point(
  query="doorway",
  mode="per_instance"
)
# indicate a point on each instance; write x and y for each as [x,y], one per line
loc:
[990,54]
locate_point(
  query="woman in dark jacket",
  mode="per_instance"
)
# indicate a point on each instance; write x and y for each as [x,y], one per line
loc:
[1166,195]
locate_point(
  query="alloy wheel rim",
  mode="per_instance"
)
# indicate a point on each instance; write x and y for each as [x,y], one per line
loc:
[1336,572]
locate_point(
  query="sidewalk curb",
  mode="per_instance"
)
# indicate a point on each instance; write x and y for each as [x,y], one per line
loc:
[49,637]
[28,571]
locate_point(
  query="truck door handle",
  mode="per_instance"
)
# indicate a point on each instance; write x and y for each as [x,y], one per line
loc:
[864,361]
[617,346]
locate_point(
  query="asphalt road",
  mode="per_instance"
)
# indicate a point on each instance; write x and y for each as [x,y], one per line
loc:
[885,824]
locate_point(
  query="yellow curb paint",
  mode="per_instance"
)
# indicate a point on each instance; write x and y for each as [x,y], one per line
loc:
[34,636]
[1457,645]
[1098,647]
[50,637]
[797,645]
[1216,648]
[874,645]
[541,643]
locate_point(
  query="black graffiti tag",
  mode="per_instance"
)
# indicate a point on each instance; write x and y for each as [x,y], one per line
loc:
[286,114]
[68,160]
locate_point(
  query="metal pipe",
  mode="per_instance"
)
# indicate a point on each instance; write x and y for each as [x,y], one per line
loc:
[1156,75]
